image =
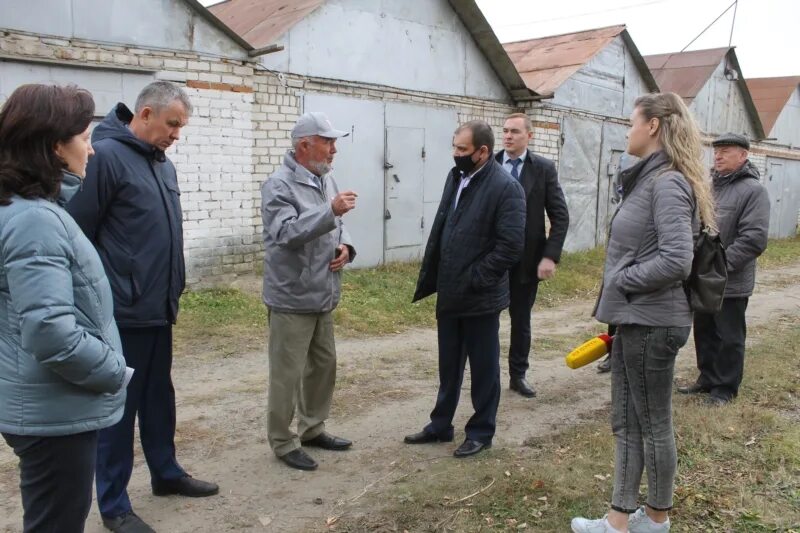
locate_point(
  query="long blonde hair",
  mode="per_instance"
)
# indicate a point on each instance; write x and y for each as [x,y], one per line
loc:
[679,136]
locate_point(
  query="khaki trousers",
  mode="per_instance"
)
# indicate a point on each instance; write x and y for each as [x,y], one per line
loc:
[302,373]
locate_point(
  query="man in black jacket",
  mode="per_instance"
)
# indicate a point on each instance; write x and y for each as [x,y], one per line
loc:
[475,239]
[543,194]
[130,209]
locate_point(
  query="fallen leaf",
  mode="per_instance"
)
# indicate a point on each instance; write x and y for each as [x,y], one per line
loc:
[331,520]
[539,484]
[523,525]
[508,474]
[265,520]
[601,477]
[542,499]
[750,442]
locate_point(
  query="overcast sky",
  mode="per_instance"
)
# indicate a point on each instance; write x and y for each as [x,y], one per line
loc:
[765,34]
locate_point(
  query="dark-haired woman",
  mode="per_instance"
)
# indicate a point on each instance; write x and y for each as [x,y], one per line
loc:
[61,365]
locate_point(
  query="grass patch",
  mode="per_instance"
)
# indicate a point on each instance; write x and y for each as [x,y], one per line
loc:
[780,252]
[739,466]
[377,301]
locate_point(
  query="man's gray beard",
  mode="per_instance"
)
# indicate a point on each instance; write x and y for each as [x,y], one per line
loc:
[320,167]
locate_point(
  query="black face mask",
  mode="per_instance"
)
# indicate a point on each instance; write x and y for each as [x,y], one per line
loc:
[464,163]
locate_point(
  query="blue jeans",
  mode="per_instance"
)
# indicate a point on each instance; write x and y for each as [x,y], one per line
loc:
[642,366]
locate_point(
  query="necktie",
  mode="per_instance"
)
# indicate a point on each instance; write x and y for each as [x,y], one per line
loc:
[514,167]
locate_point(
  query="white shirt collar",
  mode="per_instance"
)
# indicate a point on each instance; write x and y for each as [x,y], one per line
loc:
[507,158]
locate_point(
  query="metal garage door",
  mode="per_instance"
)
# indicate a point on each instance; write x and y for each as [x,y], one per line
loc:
[107,86]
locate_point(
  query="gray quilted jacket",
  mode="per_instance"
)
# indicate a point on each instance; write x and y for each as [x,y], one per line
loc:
[61,363]
[743,220]
[650,248]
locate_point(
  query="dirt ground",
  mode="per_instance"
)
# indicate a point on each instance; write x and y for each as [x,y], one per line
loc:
[386,388]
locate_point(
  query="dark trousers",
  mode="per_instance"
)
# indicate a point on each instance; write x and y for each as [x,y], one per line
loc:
[152,397]
[523,296]
[55,480]
[476,339]
[719,341]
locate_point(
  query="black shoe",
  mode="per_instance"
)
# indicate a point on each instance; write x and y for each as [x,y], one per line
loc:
[423,437]
[299,459]
[522,386]
[127,523]
[470,447]
[713,400]
[328,442]
[694,388]
[185,486]
[604,366]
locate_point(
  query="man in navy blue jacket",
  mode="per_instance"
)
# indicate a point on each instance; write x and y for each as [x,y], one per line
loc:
[476,238]
[130,209]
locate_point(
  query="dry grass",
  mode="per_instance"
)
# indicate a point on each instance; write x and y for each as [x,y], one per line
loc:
[739,466]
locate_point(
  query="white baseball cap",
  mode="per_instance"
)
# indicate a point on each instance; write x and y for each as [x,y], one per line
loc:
[314,123]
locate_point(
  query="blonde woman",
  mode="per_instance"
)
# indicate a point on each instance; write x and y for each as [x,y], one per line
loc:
[650,250]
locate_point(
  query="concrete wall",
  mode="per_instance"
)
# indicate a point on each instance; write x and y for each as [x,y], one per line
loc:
[393,43]
[719,106]
[787,128]
[608,84]
[167,24]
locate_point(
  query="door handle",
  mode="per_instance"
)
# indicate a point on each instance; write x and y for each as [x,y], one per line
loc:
[387,165]
[396,179]
[387,215]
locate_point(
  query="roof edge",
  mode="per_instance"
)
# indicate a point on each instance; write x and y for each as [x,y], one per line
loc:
[622,28]
[733,61]
[638,59]
[482,33]
[209,17]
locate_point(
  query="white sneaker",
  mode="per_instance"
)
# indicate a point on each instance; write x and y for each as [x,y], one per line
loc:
[639,522]
[601,525]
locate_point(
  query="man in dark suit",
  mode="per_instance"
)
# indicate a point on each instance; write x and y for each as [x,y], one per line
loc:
[543,194]
[475,239]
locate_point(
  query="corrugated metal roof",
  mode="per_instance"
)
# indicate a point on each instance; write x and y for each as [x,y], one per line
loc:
[685,73]
[770,95]
[262,22]
[547,62]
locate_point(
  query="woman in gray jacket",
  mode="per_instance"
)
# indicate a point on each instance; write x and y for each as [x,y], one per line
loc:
[649,255]
[61,365]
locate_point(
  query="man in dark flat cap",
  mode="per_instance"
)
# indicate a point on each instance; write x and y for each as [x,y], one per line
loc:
[743,221]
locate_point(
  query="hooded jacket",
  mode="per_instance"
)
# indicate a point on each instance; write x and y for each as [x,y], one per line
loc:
[61,363]
[743,221]
[301,235]
[130,209]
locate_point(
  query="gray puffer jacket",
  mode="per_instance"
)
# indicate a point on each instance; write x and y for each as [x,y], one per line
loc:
[650,248]
[301,235]
[61,363]
[743,220]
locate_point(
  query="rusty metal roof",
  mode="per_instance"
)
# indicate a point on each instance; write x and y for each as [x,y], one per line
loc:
[262,22]
[771,95]
[685,73]
[547,62]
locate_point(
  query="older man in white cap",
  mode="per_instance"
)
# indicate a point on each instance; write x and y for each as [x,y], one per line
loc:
[306,246]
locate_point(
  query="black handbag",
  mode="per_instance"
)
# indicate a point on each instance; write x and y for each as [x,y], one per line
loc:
[705,286]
